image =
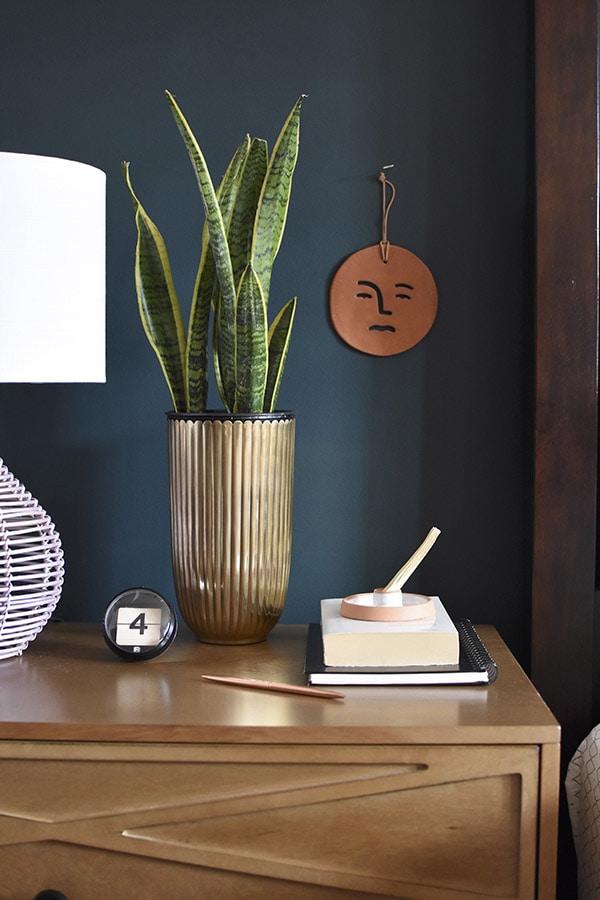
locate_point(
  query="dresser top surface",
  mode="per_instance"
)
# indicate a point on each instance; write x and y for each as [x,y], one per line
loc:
[68,685]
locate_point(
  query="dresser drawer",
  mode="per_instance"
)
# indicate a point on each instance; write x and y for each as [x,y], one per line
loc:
[415,822]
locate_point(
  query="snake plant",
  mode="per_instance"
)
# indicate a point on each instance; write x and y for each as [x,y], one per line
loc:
[245,218]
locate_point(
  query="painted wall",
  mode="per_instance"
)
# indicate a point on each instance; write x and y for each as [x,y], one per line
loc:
[386,447]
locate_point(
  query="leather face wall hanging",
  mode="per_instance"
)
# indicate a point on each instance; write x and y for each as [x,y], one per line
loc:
[383,299]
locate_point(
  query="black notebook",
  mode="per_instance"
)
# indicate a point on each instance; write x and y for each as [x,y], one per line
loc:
[475,665]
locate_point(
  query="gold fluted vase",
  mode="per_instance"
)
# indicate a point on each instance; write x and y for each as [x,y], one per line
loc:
[231,489]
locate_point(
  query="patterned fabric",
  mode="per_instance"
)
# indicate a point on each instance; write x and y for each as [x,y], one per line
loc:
[582,784]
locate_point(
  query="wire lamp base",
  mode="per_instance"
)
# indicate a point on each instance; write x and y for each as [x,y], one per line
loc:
[31,566]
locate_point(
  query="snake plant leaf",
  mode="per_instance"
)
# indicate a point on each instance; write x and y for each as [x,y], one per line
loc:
[274,201]
[279,341]
[241,228]
[251,344]
[219,246]
[197,340]
[227,401]
[157,300]
[239,222]
[206,285]
[229,187]
[223,347]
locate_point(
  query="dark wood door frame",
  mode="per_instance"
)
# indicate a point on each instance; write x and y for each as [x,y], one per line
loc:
[566,427]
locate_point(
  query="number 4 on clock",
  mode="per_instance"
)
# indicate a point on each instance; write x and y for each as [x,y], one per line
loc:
[138,627]
[139,623]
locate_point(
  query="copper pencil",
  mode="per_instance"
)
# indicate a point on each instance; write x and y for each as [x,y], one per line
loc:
[275,686]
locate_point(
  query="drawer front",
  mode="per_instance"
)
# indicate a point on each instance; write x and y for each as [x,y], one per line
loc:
[425,823]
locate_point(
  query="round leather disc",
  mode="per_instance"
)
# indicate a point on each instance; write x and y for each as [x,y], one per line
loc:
[383,308]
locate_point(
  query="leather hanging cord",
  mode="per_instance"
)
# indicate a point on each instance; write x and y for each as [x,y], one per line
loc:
[386,206]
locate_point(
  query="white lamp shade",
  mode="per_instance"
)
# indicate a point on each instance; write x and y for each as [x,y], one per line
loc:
[52,270]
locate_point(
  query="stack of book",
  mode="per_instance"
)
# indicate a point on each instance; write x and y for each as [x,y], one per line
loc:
[349,651]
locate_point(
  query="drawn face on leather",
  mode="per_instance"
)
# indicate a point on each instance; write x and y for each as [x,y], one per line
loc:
[383,308]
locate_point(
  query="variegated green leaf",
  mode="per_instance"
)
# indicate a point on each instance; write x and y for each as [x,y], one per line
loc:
[197,340]
[238,220]
[279,341]
[241,229]
[275,198]
[206,286]
[223,344]
[229,187]
[157,300]
[220,248]
[251,344]
[228,402]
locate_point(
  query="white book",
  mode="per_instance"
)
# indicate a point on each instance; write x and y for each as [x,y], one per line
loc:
[353,642]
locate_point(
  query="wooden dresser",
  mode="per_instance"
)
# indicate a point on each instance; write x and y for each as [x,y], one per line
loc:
[140,780]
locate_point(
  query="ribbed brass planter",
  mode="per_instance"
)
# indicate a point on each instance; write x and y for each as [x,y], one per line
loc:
[231,487]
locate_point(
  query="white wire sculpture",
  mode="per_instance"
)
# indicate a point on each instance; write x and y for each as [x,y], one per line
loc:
[31,566]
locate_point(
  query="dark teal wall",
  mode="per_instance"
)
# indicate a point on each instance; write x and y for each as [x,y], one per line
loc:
[386,447]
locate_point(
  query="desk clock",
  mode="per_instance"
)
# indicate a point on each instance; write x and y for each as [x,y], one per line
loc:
[139,624]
